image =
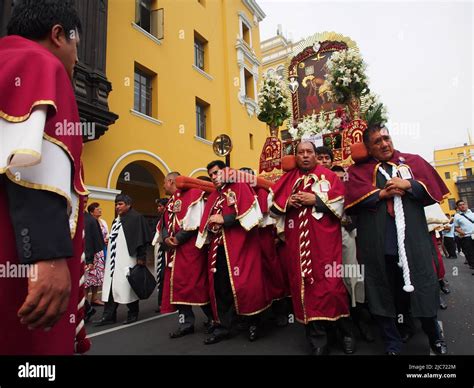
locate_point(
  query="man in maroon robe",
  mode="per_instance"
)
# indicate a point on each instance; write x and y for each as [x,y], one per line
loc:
[230,226]
[186,282]
[308,203]
[41,183]
[388,191]
[275,274]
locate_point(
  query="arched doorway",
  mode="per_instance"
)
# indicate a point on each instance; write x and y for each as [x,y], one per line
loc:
[143,182]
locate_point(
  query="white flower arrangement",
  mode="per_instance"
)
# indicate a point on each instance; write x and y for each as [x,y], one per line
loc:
[273,100]
[315,124]
[372,110]
[346,75]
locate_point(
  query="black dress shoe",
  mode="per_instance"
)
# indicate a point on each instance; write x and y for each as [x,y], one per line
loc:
[320,351]
[89,315]
[444,287]
[348,345]
[209,329]
[439,347]
[253,333]
[131,318]
[182,332]
[214,339]
[105,321]
[391,353]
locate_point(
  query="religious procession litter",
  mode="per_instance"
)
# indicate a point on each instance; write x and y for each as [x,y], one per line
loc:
[338,231]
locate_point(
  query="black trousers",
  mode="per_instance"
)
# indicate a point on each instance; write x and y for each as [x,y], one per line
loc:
[388,325]
[110,307]
[224,295]
[186,317]
[391,335]
[467,245]
[317,333]
[457,240]
[450,246]
[345,325]
[280,307]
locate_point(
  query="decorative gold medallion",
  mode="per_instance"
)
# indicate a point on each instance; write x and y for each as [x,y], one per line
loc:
[231,198]
[404,172]
[177,206]
[324,185]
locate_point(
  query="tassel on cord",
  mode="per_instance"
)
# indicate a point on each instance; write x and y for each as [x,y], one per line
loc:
[400,224]
[82,344]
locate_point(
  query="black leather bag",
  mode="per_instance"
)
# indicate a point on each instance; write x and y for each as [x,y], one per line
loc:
[141,280]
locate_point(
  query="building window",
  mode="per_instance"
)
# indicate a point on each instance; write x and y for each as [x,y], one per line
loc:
[447,175]
[468,171]
[452,204]
[200,51]
[149,19]
[143,14]
[246,34]
[202,118]
[251,140]
[249,86]
[142,92]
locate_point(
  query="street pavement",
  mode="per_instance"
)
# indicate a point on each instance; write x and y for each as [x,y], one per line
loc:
[150,335]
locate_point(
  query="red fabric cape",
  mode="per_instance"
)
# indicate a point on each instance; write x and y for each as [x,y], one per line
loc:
[186,281]
[30,75]
[243,253]
[362,178]
[42,80]
[275,273]
[326,298]
[284,186]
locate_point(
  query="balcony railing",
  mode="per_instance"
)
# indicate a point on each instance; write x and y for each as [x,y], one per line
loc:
[467,178]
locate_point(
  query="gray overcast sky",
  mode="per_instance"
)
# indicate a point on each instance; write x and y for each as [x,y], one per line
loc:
[419,54]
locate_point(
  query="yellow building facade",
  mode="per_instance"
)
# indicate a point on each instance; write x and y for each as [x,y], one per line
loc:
[456,166]
[275,52]
[275,59]
[182,72]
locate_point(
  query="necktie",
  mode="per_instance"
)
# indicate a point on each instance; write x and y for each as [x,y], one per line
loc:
[390,210]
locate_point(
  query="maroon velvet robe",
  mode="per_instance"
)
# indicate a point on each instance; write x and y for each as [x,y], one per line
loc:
[44,81]
[313,247]
[273,266]
[186,280]
[242,248]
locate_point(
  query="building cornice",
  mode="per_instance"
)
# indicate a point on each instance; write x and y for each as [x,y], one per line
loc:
[255,9]
[250,55]
[102,193]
